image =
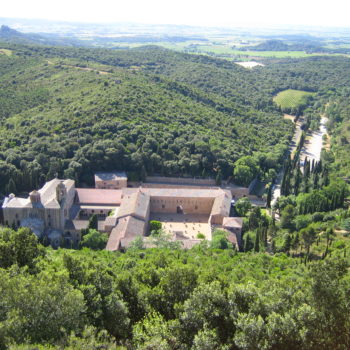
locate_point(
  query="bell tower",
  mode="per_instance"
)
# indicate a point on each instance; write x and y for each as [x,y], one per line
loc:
[61,192]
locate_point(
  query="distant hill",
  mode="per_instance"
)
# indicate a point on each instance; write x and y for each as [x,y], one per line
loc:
[279,45]
[306,45]
[10,35]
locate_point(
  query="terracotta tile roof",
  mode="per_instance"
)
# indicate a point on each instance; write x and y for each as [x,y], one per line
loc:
[189,243]
[48,192]
[125,232]
[222,204]
[98,196]
[47,196]
[234,222]
[137,204]
[178,192]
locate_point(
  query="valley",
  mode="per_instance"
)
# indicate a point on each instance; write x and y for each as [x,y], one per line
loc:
[174,187]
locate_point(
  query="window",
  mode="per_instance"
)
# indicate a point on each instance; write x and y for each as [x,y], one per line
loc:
[196,207]
[163,206]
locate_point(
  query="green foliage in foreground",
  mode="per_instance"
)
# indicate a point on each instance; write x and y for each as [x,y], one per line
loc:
[175,299]
[94,239]
[289,100]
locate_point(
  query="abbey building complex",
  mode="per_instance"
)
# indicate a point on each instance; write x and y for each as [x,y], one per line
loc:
[189,209]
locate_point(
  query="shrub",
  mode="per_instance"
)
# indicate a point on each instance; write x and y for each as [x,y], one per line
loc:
[94,240]
[339,244]
[316,217]
[302,221]
[329,217]
[155,225]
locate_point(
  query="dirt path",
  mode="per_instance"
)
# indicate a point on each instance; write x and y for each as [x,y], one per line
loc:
[82,68]
[312,149]
[276,193]
[314,142]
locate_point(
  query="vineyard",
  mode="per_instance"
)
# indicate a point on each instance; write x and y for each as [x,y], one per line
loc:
[292,98]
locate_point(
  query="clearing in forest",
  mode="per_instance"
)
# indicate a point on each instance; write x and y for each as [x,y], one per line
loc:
[292,98]
[250,64]
[6,52]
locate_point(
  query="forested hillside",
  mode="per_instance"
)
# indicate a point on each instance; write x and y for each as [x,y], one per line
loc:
[65,110]
[63,116]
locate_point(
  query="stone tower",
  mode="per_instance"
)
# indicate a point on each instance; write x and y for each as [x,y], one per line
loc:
[61,192]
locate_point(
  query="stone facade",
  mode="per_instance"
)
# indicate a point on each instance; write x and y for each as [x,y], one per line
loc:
[45,211]
[113,180]
[59,211]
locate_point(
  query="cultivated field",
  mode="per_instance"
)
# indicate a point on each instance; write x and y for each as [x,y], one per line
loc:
[292,98]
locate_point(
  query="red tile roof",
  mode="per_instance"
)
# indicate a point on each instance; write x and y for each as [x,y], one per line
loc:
[98,196]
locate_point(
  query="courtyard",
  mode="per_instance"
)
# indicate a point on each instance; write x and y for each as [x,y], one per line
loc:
[186,225]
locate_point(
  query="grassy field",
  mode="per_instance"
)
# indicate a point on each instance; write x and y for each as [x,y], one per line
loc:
[6,52]
[291,98]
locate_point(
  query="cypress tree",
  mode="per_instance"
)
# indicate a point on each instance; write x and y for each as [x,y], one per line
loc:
[218,179]
[287,244]
[269,196]
[297,182]
[248,244]
[273,246]
[257,241]
[305,166]
[342,197]
[11,187]
[93,222]
[295,242]
[316,180]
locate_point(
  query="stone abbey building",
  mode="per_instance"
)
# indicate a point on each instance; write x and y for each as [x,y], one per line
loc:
[189,209]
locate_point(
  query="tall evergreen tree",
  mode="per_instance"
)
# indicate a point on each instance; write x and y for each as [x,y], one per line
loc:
[248,244]
[11,187]
[269,196]
[93,222]
[257,241]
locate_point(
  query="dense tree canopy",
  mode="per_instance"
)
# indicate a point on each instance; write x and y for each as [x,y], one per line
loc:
[171,299]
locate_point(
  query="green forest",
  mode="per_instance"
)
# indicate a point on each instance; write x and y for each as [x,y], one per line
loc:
[164,298]
[72,111]
[69,112]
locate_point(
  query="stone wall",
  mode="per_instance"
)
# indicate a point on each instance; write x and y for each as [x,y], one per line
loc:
[111,184]
[180,180]
[188,205]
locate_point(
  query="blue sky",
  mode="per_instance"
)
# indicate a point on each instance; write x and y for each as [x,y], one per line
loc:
[191,12]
